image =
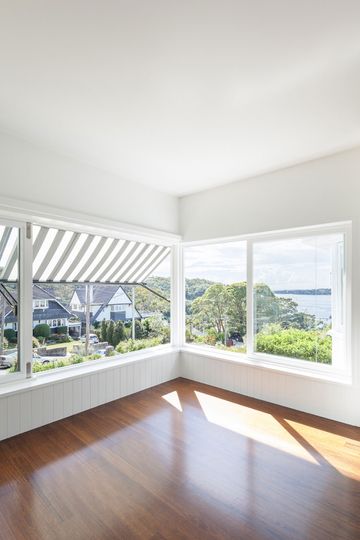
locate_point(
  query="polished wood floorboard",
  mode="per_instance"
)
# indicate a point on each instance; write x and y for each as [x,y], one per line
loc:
[182,461]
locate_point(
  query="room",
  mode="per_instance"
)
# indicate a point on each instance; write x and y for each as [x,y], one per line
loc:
[179,270]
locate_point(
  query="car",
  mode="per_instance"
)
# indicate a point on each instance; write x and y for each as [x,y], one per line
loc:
[92,338]
[4,362]
[38,358]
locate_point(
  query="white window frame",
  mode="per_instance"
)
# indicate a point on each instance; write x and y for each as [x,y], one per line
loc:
[292,365]
[14,213]
[25,304]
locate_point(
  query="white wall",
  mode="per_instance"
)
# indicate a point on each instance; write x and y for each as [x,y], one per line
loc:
[31,174]
[322,191]
[47,400]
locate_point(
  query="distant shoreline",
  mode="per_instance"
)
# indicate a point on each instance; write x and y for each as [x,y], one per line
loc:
[312,292]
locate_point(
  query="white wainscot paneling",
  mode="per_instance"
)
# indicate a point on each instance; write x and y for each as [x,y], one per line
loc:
[323,398]
[30,408]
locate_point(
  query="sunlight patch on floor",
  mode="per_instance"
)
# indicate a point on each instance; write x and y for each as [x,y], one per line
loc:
[173,399]
[257,425]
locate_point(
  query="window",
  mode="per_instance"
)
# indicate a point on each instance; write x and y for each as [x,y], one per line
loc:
[40,304]
[118,307]
[116,291]
[281,298]
[215,292]
[299,298]
[9,301]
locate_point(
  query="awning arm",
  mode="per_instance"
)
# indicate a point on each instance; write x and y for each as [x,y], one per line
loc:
[8,297]
[154,292]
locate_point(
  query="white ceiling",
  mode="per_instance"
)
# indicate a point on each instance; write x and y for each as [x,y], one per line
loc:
[182,95]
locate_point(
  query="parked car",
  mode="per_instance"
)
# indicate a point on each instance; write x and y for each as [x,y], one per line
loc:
[38,358]
[4,362]
[92,338]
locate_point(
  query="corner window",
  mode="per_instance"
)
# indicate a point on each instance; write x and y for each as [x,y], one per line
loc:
[279,298]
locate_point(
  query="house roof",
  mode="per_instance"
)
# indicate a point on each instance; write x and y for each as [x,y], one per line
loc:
[72,257]
[43,314]
[56,309]
[102,294]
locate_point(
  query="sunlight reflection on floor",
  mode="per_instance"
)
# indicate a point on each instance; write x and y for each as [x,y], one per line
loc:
[173,399]
[257,425]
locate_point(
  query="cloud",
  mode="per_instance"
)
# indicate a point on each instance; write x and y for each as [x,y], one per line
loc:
[300,263]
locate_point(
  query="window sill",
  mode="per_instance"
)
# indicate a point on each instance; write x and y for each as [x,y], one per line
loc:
[58,375]
[272,365]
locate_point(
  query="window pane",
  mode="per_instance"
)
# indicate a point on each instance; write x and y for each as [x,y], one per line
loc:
[215,283]
[9,294]
[116,324]
[298,298]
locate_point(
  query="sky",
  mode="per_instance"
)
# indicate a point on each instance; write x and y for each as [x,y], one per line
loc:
[304,263]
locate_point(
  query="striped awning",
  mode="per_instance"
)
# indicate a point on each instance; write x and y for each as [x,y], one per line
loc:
[62,256]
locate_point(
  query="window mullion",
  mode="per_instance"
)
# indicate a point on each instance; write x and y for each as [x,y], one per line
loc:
[249,299]
[25,304]
[177,305]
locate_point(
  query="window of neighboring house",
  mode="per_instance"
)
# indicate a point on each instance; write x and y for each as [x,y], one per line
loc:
[40,304]
[215,293]
[288,304]
[10,361]
[118,307]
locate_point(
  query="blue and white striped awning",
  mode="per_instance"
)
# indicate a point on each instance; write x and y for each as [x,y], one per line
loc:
[62,256]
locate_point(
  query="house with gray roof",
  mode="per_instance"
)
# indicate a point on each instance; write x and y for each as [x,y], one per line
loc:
[109,302]
[47,309]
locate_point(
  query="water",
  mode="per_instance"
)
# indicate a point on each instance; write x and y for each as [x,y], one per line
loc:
[314,304]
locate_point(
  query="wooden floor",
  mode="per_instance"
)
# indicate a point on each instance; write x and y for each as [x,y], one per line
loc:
[182,460]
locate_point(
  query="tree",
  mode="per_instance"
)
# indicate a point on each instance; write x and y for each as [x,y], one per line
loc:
[119,333]
[210,310]
[41,330]
[103,330]
[270,308]
[139,332]
[147,302]
[10,335]
[222,310]
[110,332]
[236,308]
[155,326]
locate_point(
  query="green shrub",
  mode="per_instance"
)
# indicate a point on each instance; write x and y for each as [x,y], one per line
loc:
[41,330]
[76,359]
[10,335]
[38,366]
[59,338]
[137,344]
[94,356]
[62,330]
[309,345]
[5,343]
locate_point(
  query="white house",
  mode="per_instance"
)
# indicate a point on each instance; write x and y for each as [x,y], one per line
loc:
[109,302]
